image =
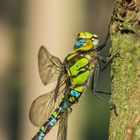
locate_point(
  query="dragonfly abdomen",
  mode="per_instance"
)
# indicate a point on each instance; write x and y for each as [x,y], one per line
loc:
[73,96]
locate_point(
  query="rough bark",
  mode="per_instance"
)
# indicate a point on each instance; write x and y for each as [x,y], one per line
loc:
[125,37]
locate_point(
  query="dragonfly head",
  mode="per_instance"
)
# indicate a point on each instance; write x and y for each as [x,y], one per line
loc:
[86,41]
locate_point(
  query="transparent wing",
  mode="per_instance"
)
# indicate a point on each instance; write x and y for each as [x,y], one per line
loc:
[61,86]
[49,66]
[44,105]
[41,108]
[63,125]
[50,69]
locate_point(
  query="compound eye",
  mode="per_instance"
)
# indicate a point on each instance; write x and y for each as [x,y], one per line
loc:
[95,42]
[79,43]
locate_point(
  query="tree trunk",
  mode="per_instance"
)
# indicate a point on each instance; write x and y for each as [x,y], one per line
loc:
[125,37]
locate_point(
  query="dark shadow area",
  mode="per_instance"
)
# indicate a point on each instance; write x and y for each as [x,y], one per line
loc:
[97,124]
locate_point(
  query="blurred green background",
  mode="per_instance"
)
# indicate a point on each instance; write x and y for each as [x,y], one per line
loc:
[24,26]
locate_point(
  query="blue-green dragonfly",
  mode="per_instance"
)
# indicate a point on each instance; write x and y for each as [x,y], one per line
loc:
[72,76]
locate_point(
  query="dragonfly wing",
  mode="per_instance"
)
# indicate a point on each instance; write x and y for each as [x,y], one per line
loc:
[41,108]
[60,87]
[49,66]
[63,124]
[50,69]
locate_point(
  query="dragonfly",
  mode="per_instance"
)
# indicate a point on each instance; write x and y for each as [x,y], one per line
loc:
[72,76]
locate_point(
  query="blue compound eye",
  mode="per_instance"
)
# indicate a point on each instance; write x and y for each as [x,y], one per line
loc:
[79,43]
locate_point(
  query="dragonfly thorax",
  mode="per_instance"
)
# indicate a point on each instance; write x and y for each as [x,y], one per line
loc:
[77,67]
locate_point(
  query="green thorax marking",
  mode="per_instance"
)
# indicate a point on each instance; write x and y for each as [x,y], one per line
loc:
[78,67]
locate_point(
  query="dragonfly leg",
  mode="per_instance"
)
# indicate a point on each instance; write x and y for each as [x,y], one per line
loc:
[95,76]
[102,92]
[113,106]
[94,81]
[106,63]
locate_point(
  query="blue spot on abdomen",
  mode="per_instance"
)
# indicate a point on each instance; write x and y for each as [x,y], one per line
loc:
[74,93]
[52,122]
